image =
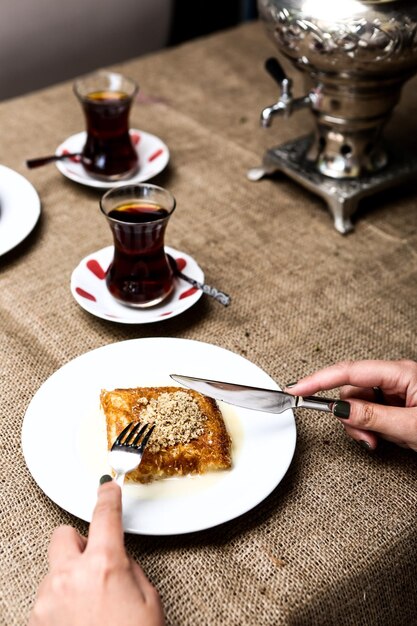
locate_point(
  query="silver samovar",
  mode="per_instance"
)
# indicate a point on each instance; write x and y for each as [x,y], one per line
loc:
[355,56]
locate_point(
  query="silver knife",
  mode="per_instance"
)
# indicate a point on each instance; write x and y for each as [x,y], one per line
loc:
[269,400]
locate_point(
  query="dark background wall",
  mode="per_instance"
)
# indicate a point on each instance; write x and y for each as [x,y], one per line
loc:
[194,18]
[46,41]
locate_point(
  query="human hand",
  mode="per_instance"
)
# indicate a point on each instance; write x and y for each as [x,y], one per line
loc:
[93,582]
[359,411]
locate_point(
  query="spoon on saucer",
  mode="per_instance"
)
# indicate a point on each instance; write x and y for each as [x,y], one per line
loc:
[220,296]
[31,163]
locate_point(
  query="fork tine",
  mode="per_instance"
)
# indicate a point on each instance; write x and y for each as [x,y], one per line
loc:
[139,435]
[146,438]
[126,455]
[119,440]
[130,436]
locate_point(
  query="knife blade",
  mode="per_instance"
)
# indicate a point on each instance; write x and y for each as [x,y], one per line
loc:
[257,398]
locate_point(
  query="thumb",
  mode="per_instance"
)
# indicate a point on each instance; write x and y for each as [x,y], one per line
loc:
[396,423]
[65,544]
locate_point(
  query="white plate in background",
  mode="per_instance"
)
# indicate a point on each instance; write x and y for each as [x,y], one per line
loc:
[20,208]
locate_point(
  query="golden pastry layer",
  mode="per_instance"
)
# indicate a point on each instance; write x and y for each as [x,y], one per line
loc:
[190,436]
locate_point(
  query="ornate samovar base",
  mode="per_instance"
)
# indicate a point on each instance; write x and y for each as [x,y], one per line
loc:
[341,196]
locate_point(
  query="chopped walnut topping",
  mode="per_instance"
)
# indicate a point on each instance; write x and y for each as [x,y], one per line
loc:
[177,418]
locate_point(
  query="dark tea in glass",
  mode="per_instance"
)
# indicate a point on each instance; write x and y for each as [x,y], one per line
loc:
[106,98]
[140,274]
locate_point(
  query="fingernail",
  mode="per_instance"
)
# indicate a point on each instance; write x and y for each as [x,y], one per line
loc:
[105,479]
[290,385]
[365,444]
[341,409]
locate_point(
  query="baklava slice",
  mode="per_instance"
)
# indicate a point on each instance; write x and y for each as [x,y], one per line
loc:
[190,436]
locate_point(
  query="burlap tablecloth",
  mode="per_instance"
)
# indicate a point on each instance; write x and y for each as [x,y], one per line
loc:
[335,543]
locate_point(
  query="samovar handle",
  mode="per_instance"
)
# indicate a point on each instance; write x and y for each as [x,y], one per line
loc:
[275,69]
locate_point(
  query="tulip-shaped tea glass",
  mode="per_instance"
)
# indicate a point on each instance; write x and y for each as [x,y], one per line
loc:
[140,274]
[106,98]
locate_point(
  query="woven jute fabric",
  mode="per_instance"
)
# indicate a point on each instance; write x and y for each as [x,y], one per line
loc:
[335,543]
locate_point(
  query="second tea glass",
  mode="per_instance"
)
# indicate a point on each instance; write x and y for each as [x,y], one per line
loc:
[140,274]
[106,98]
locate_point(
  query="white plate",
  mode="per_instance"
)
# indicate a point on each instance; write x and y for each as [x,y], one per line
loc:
[20,208]
[88,286]
[153,158]
[64,441]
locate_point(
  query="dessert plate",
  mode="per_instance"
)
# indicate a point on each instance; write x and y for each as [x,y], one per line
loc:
[152,152]
[67,403]
[88,286]
[20,208]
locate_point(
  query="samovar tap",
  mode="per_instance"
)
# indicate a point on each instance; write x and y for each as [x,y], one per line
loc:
[286,104]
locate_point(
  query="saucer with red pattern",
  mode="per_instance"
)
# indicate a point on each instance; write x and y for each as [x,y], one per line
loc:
[152,152]
[88,286]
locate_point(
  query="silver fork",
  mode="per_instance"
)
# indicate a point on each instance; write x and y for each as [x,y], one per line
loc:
[126,453]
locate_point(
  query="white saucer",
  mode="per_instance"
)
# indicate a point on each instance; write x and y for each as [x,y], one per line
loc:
[20,208]
[153,158]
[88,286]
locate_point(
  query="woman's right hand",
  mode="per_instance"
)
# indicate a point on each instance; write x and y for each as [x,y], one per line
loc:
[363,385]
